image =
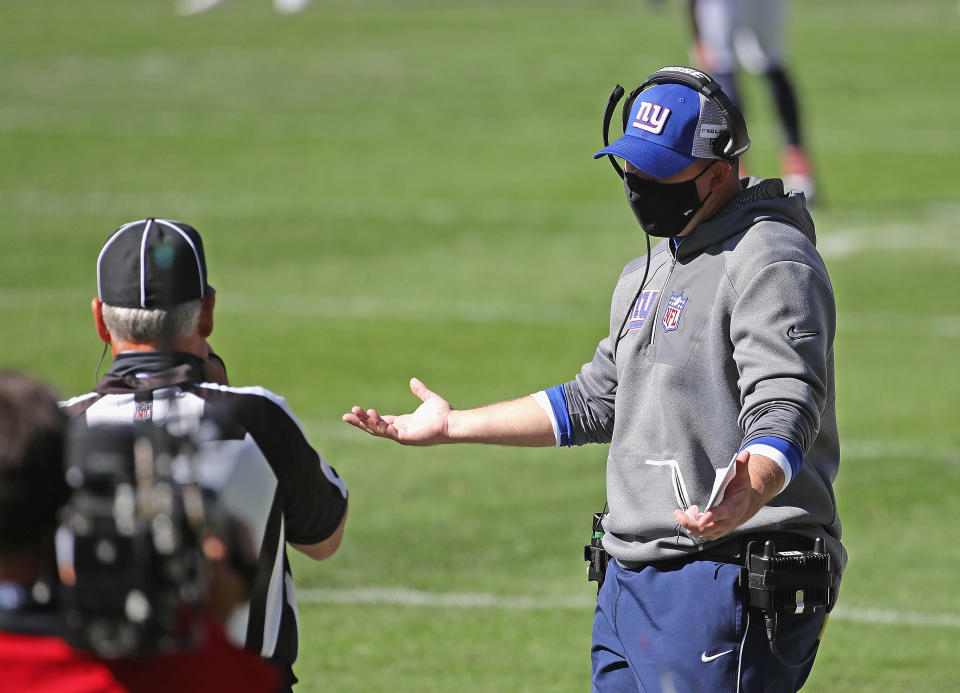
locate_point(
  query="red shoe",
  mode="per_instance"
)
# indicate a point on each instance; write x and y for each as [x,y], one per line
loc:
[797,174]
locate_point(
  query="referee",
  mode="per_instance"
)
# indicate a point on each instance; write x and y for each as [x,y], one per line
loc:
[154,308]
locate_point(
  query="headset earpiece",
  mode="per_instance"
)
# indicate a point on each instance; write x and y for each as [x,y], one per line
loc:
[718,145]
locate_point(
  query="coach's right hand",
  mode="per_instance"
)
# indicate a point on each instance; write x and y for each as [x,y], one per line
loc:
[521,422]
[427,425]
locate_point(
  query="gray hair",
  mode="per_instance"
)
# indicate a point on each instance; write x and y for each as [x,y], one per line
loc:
[152,325]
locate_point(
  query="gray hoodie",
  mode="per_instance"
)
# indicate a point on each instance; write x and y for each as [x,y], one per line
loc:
[730,340]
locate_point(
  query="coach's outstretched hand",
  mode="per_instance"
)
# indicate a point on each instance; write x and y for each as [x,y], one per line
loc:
[427,425]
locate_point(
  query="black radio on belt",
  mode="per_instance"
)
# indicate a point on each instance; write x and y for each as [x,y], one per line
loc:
[786,582]
[594,553]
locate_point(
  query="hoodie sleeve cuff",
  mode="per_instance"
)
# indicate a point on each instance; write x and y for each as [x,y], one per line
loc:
[554,402]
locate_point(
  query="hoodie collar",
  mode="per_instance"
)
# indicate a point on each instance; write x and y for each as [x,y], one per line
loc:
[762,199]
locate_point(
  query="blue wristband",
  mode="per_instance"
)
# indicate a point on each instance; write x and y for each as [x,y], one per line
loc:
[790,453]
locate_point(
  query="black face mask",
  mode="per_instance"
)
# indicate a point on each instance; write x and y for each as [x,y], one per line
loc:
[663,209]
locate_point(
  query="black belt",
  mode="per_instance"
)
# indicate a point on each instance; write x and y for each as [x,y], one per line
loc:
[735,548]
[730,550]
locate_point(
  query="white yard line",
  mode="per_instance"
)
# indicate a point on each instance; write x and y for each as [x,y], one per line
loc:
[942,325]
[897,618]
[873,449]
[842,242]
[398,596]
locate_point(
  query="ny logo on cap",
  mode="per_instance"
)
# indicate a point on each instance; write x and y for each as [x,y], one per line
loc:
[651,117]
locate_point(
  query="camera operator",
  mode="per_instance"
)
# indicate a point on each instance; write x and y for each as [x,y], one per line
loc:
[35,653]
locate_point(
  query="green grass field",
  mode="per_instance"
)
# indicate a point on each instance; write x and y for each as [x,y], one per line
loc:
[389,189]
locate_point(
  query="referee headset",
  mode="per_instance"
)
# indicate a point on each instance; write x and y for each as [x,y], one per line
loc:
[728,145]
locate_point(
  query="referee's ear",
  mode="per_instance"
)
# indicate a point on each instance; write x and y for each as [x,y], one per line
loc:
[96,306]
[205,325]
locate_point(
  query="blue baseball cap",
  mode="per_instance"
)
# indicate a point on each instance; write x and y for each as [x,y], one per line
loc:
[670,126]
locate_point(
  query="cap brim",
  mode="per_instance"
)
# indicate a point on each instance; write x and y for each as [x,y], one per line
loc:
[648,157]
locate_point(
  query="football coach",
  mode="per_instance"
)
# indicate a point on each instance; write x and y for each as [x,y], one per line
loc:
[714,389]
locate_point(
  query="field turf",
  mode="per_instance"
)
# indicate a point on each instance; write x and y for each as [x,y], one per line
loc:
[389,189]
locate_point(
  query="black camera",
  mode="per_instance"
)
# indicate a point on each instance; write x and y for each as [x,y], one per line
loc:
[129,542]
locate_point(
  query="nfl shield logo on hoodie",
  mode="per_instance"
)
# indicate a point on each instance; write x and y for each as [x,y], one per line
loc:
[144,411]
[671,317]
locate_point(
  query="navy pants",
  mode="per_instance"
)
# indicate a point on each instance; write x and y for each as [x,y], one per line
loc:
[684,627]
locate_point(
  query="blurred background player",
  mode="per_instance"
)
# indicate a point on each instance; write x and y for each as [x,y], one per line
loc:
[187,7]
[36,652]
[729,34]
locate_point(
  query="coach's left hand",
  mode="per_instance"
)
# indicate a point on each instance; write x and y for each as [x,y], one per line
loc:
[758,479]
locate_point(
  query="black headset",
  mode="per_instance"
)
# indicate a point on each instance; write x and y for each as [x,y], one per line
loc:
[728,145]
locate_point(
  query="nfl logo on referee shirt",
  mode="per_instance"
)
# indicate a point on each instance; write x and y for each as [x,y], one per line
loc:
[144,411]
[671,317]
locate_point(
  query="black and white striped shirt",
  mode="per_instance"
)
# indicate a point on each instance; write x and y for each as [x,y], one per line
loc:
[262,467]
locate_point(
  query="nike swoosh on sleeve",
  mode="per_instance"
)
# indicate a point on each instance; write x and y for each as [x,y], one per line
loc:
[794,333]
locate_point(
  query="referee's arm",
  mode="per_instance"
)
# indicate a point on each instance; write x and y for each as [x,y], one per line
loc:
[327,547]
[313,496]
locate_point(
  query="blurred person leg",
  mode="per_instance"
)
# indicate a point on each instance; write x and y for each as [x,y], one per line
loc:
[188,7]
[759,45]
[290,6]
[715,24]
